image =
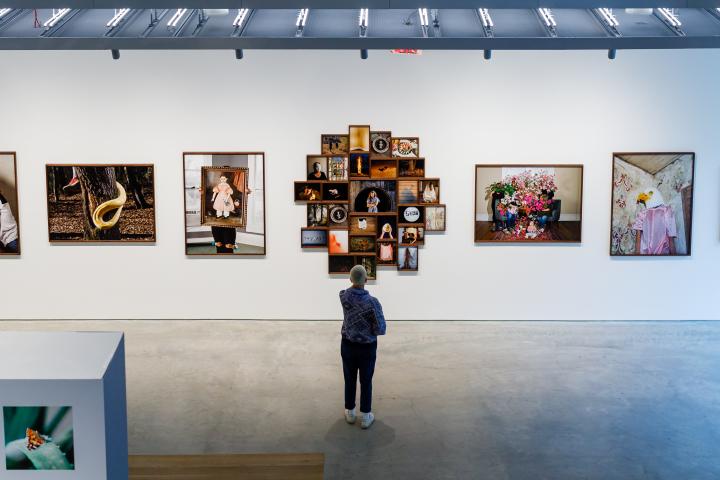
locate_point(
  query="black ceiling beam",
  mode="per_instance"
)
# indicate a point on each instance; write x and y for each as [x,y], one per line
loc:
[356,4]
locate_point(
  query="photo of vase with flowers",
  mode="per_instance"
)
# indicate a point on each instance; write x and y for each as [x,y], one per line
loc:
[539,203]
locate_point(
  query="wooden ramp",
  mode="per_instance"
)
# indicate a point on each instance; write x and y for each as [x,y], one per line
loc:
[296,466]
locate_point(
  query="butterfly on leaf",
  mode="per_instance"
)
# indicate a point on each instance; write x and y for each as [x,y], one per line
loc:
[34,440]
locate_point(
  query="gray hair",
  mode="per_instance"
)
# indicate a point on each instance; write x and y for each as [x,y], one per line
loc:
[358,275]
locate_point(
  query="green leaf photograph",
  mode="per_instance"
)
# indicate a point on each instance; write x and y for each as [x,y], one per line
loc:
[39,438]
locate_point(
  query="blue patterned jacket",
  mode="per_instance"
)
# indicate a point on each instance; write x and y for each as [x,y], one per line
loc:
[364,319]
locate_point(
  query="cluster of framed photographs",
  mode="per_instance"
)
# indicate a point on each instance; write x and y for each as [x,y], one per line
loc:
[368,200]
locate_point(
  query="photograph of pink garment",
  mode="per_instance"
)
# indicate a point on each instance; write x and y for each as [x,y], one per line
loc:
[655,226]
[223,199]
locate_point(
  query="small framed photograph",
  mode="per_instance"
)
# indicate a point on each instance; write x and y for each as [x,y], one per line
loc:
[317,168]
[331,144]
[413,214]
[380,144]
[370,264]
[308,192]
[408,191]
[338,242]
[411,235]
[363,225]
[387,253]
[429,190]
[338,215]
[335,192]
[373,196]
[340,264]
[359,138]
[224,203]
[435,218]
[384,168]
[313,238]
[408,259]
[406,147]
[338,169]
[387,227]
[359,165]
[317,215]
[362,244]
[411,167]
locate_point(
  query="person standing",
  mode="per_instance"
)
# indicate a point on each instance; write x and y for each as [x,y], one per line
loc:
[362,323]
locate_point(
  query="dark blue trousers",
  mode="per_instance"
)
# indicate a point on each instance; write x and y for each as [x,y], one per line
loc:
[358,358]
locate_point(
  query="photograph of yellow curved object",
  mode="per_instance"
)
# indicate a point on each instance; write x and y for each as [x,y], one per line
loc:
[114,204]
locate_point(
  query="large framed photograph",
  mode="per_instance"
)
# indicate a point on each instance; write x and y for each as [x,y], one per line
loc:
[652,204]
[101,203]
[38,438]
[528,203]
[225,202]
[9,226]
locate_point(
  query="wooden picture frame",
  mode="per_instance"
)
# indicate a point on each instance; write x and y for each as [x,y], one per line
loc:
[430,225]
[13,200]
[428,196]
[380,144]
[359,139]
[97,235]
[686,198]
[334,144]
[308,191]
[408,258]
[405,147]
[315,232]
[220,219]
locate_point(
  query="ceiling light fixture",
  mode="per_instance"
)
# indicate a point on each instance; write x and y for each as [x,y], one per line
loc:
[424,20]
[4,11]
[302,17]
[670,16]
[608,16]
[56,17]
[363,22]
[485,17]
[548,17]
[241,16]
[175,19]
[119,15]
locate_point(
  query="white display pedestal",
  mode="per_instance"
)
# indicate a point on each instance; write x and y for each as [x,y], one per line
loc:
[81,370]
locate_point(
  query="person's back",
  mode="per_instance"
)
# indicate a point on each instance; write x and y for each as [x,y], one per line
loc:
[363,321]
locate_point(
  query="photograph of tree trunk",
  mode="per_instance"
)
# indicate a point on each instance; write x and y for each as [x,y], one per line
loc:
[101,203]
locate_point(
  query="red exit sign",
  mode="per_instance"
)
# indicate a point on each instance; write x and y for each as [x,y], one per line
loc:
[407,51]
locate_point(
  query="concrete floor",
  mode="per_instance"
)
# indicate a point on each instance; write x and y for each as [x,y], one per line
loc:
[454,400]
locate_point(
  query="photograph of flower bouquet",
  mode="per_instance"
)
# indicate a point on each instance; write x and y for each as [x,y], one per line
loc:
[528,203]
[39,438]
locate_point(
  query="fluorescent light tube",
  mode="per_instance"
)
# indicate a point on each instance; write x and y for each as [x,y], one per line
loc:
[119,15]
[4,11]
[302,17]
[241,16]
[423,13]
[609,17]
[363,22]
[56,17]
[485,17]
[547,17]
[670,17]
[175,19]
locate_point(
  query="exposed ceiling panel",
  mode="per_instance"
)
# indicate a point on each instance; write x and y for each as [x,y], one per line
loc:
[357,4]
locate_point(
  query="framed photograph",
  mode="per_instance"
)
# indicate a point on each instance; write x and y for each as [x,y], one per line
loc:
[373,196]
[335,192]
[338,169]
[317,215]
[411,167]
[652,204]
[331,144]
[528,203]
[370,264]
[308,191]
[411,235]
[429,190]
[360,138]
[380,143]
[408,258]
[406,147]
[313,238]
[39,438]
[387,227]
[363,225]
[239,198]
[362,244]
[387,253]
[435,218]
[340,264]
[338,215]
[408,191]
[317,168]
[359,165]
[412,214]
[9,226]
[383,168]
[338,242]
[123,197]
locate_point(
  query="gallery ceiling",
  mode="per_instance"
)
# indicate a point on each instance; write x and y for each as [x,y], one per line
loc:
[386,24]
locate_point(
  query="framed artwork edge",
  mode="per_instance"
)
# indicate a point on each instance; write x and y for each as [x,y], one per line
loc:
[17,207]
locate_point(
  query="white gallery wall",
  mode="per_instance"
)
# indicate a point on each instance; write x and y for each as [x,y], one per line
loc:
[521,107]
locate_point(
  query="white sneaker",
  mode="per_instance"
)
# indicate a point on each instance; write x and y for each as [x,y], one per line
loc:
[350,416]
[367,420]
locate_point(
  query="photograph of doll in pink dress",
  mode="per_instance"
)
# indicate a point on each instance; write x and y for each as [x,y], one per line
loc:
[652,204]
[224,196]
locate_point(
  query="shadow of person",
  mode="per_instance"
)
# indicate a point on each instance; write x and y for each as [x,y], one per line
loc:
[344,438]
